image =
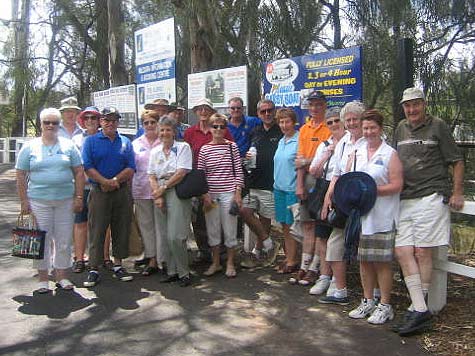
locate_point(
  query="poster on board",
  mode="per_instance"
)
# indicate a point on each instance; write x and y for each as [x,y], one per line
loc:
[155,63]
[124,99]
[218,86]
[338,74]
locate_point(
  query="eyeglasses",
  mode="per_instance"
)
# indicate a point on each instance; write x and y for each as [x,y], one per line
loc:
[235,108]
[54,123]
[266,111]
[222,127]
[151,122]
[331,122]
[90,117]
[203,108]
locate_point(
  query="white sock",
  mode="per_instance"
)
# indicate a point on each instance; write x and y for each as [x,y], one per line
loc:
[324,276]
[306,260]
[340,293]
[414,285]
[314,264]
[268,244]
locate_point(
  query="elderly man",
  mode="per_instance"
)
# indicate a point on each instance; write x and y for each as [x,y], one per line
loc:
[427,149]
[312,133]
[240,125]
[260,199]
[196,136]
[69,112]
[110,164]
[177,113]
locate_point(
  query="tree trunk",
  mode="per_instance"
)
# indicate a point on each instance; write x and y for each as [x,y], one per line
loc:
[22,30]
[118,72]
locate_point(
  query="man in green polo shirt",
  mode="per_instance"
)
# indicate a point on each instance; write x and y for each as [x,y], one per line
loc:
[427,150]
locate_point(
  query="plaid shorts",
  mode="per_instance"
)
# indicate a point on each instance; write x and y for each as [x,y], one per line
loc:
[378,247]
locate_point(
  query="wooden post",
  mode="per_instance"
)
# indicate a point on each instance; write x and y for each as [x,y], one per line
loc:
[438,289]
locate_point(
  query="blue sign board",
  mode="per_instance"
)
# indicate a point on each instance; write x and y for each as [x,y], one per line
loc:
[338,74]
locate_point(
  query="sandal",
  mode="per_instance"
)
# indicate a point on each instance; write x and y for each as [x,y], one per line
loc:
[310,278]
[79,266]
[286,269]
[297,276]
[43,288]
[65,284]
[108,264]
[149,270]
[231,272]
[213,269]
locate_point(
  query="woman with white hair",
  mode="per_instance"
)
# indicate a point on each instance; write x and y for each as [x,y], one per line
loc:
[50,182]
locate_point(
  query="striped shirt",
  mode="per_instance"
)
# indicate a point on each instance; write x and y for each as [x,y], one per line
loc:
[217,162]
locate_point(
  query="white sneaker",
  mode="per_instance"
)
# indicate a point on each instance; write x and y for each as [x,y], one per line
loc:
[381,314]
[331,289]
[364,309]
[321,286]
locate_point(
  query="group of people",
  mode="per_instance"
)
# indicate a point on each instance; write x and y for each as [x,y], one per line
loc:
[256,169]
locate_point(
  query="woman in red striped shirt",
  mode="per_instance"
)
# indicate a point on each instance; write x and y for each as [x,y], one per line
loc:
[222,164]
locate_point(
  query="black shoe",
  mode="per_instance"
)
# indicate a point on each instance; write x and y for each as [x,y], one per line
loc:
[185,281]
[92,279]
[141,263]
[169,279]
[122,275]
[397,325]
[415,321]
[202,257]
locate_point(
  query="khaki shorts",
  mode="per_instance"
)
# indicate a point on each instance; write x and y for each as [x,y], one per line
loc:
[423,222]
[335,246]
[261,201]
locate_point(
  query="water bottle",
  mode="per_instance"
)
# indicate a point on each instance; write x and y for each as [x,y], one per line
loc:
[252,160]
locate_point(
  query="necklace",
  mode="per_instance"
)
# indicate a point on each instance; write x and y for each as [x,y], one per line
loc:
[51,149]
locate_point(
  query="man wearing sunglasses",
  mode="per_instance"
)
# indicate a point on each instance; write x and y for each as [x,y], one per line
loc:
[110,164]
[240,125]
[260,199]
[69,111]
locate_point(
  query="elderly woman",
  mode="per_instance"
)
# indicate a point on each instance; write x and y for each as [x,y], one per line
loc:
[198,135]
[351,115]
[169,162]
[375,250]
[285,179]
[222,164]
[323,164]
[50,181]
[142,193]
[89,119]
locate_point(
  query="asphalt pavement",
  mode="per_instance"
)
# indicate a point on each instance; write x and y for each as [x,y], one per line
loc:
[257,313]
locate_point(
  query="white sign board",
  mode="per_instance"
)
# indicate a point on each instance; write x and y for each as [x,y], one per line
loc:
[155,63]
[123,98]
[218,86]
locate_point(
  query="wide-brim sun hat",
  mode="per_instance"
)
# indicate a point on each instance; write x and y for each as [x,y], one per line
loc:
[70,103]
[89,110]
[204,102]
[355,190]
[157,102]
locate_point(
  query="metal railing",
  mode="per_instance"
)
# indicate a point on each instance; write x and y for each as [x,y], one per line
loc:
[9,148]
[438,289]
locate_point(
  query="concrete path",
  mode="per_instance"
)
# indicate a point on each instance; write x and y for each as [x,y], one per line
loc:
[258,313]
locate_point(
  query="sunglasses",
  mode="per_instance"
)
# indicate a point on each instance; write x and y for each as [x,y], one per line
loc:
[151,122]
[54,123]
[235,107]
[90,117]
[222,127]
[109,119]
[331,122]
[266,111]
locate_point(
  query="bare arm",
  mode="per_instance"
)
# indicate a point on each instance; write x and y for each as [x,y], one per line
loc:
[22,184]
[327,202]
[395,178]
[78,188]
[457,199]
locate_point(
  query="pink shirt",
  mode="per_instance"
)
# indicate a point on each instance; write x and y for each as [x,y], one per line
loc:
[140,184]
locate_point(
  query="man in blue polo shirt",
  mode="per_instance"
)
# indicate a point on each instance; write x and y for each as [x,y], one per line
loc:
[110,164]
[241,125]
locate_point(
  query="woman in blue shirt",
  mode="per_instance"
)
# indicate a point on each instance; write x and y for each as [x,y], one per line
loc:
[285,178]
[50,182]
